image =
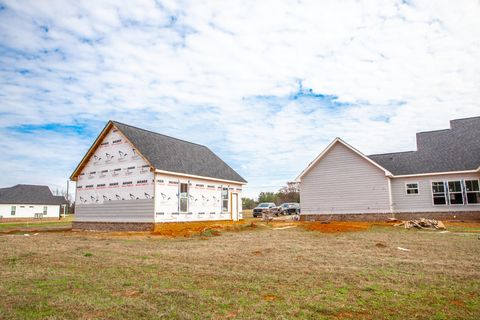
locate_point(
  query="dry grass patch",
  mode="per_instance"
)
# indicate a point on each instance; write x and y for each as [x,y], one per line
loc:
[254,273]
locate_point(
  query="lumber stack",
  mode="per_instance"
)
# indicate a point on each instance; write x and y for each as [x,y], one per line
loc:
[422,223]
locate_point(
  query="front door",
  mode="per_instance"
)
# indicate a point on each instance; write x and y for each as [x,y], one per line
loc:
[235,206]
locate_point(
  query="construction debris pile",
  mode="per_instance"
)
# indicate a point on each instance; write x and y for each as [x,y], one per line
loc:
[422,223]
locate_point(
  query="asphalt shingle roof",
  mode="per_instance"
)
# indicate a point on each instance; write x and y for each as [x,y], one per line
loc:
[29,194]
[454,149]
[175,155]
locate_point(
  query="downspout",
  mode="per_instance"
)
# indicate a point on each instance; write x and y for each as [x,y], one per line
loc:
[390,196]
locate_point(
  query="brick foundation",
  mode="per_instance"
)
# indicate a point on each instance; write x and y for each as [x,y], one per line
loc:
[446,216]
[113,226]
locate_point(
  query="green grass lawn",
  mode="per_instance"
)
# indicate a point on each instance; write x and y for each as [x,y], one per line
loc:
[257,273]
[36,224]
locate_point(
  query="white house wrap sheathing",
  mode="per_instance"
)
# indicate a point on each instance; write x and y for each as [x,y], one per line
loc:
[204,199]
[118,185]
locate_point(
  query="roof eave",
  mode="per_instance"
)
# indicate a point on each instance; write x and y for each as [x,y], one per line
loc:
[92,148]
[435,173]
[199,177]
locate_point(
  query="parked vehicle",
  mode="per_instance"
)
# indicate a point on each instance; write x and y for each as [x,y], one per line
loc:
[265,206]
[288,208]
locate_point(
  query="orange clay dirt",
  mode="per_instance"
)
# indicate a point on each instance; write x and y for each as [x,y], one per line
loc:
[186,229]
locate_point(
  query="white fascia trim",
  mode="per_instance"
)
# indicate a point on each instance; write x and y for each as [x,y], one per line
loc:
[198,177]
[298,179]
[434,174]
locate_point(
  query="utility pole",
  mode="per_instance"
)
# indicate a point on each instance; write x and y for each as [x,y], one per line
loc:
[68,201]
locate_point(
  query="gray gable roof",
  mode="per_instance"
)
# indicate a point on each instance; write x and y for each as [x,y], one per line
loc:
[454,149]
[29,194]
[175,155]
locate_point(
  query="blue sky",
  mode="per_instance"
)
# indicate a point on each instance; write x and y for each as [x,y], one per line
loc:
[265,84]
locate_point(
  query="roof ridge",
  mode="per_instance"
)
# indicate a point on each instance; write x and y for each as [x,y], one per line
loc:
[466,118]
[160,134]
[382,154]
[448,129]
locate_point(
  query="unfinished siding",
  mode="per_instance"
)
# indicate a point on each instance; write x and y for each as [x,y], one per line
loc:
[116,211]
[344,182]
[423,201]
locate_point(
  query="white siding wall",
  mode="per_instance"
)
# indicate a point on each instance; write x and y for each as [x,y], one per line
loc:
[28,211]
[423,201]
[98,200]
[204,201]
[344,182]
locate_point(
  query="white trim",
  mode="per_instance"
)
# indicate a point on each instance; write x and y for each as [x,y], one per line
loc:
[412,194]
[433,174]
[338,140]
[197,177]
[390,195]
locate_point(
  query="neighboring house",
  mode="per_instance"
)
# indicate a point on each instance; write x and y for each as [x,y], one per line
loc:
[440,179]
[29,201]
[132,178]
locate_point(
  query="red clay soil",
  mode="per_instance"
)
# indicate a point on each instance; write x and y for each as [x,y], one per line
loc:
[340,226]
[187,229]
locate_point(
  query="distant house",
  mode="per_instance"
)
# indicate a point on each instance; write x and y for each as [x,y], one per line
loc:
[30,201]
[440,179]
[132,178]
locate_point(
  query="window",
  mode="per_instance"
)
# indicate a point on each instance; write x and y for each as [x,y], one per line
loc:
[224,199]
[183,197]
[439,194]
[455,193]
[411,188]
[472,191]
[13,210]
[45,210]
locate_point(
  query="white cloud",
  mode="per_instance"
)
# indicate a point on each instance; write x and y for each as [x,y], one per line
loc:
[224,73]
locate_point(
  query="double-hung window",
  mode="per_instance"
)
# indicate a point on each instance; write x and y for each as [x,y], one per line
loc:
[13,210]
[224,199]
[411,188]
[455,192]
[183,197]
[45,210]
[439,193]
[472,191]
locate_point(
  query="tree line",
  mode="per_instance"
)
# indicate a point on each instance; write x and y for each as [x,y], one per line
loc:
[290,193]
